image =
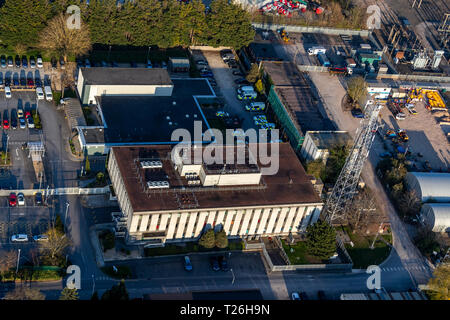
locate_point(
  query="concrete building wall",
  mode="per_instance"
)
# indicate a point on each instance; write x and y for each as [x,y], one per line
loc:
[246,222]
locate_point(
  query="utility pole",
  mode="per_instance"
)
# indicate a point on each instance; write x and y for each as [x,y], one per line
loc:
[334,210]
[234,278]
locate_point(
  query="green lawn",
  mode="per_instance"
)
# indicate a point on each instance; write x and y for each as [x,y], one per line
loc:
[361,253]
[297,253]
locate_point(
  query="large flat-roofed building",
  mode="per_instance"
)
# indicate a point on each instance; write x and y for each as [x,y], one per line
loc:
[173,199]
[134,119]
[293,102]
[94,82]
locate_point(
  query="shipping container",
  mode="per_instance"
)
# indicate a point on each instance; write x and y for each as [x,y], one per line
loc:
[323,60]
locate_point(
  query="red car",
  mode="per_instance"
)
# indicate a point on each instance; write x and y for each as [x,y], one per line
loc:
[12,200]
[30,82]
[5,124]
[27,114]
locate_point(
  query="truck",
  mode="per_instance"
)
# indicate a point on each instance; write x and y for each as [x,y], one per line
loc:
[316,50]
[323,60]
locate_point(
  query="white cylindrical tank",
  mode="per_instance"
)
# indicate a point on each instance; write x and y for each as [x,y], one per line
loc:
[430,185]
[436,216]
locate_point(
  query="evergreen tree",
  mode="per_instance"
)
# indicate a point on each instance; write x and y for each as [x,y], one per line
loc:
[208,239]
[69,294]
[22,20]
[117,292]
[221,239]
[321,240]
[228,25]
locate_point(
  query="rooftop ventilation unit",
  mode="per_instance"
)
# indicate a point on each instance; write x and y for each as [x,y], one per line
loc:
[158,184]
[151,164]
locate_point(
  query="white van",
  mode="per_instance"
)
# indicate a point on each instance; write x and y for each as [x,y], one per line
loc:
[48,93]
[39,93]
[7,92]
[255,106]
[316,50]
[246,92]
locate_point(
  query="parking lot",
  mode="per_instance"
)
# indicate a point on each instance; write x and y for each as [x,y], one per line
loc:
[30,219]
[427,140]
[226,91]
[20,174]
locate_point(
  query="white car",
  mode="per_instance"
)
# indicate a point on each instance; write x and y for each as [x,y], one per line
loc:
[40,93]
[39,63]
[8,92]
[20,199]
[19,238]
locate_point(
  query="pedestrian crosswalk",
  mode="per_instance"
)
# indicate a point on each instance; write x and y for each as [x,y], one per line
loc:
[401,269]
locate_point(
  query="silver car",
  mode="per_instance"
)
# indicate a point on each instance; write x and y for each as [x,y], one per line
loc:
[19,238]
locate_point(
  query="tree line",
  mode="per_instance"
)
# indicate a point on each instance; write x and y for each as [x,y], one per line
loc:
[162,23]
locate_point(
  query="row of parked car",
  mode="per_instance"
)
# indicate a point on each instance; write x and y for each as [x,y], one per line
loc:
[20,118]
[21,62]
[217,263]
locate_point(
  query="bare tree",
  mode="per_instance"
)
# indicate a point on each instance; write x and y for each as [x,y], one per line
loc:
[409,203]
[58,39]
[362,211]
[357,87]
[54,248]
[8,260]
[24,293]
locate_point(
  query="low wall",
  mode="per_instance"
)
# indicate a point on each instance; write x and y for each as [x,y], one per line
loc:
[305,29]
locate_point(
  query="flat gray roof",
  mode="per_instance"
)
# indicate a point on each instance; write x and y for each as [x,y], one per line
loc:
[125,76]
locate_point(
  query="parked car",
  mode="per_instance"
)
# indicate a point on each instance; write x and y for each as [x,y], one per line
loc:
[39,62]
[156,65]
[9,61]
[40,93]
[214,263]
[38,82]
[20,112]
[38,198]
[48,93]
[113,64]
[104,64]
[13,119]
[41,237]
[8,92]
[295,296]
[149,64]
[19,238]
[30,122]
[12,199]
[164,65]
[187,264]
[22,123]
[23,80]
[30,83]
[54,62]
[223,263]
[24,62]
[7,80]
[20,199]
[5,124]
[237,73]
[32,62]
[17,61]
[3,61]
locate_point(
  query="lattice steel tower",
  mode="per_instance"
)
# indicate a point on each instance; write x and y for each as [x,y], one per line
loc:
[345,187]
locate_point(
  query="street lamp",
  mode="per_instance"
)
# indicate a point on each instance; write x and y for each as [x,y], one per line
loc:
[234,278]
[67,209]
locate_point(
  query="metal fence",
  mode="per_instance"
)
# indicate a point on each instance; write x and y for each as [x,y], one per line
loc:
[306,29]
[58,191]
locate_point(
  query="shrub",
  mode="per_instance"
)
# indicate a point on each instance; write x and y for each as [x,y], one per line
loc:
[108,240]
